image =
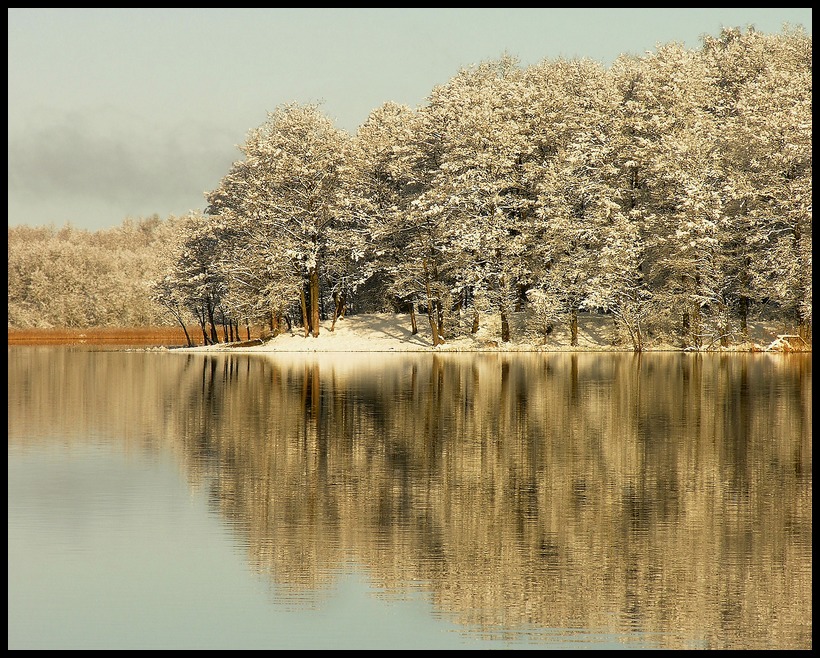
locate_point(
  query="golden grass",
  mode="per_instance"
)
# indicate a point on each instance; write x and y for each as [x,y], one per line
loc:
[160,336]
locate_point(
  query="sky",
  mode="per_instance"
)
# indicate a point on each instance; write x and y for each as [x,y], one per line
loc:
[126,113]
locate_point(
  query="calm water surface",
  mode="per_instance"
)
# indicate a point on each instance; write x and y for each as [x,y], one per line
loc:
[177,500]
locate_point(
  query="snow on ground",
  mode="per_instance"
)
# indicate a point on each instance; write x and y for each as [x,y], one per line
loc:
[387,332]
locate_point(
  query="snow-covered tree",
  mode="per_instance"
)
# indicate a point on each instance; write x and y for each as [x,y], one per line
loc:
[671,190]
[290,187]
[69,277]
[387,158]
[617,285]
[680,201]
[762,88]
[194,281]
[400,151]
[572,107]
[478,188]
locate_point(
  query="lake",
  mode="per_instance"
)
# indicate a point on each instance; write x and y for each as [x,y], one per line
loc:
[171,500]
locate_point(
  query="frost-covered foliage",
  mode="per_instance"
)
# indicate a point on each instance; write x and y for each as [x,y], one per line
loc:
[394,159]
[671,191]
[575,179]
[288,200]
[196,282]
[68,277]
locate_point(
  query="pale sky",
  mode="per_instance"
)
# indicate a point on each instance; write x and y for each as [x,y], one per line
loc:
[117,113]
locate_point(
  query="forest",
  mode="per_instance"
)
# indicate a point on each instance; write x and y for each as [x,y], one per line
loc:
[671,191]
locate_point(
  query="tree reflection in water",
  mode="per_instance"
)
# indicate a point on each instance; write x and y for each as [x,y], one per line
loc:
[664,494]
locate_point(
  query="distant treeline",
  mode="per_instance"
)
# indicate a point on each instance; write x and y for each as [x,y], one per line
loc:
[71,278]
[671,190]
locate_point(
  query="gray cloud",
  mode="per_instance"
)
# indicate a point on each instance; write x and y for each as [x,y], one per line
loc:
[117,160]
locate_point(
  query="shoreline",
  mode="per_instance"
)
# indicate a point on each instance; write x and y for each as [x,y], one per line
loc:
[381,333]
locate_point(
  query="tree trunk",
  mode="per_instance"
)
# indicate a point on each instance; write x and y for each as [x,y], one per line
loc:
[200,316]
[637,336]
[573,327]
[476,326]
[187,336]
[505,326]
[521,298]
[459,305]
[724,334]
[179,318]
[433,326]
[440,319]
[504,306]
[413,318]
[340,302]
[305,320]
[314,301]
[433,313]
[210,308]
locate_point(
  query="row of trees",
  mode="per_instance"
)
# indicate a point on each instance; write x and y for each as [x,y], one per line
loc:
[672,191]
[69,277]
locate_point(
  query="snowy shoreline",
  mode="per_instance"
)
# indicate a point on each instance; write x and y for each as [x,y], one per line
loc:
[386,332]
